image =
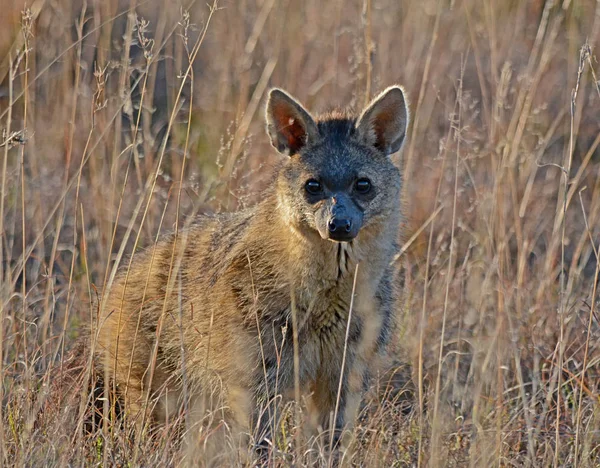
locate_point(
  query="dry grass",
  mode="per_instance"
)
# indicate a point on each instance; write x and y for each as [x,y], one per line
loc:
[117,128]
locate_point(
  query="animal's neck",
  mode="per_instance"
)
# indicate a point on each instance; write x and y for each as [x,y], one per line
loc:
[312,263]
[317,264]
[316,275]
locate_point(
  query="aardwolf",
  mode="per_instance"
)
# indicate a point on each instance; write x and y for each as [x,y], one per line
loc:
[242,310]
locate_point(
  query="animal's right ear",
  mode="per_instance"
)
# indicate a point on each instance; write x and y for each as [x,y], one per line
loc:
[289,125]
[384,122]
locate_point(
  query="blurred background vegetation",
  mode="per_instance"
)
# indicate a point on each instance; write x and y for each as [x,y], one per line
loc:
[120,119]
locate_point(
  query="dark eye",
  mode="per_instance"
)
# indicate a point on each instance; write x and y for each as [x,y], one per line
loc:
[313,187]
[363,185]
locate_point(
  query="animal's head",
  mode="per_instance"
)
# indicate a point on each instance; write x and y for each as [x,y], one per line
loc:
[339,178]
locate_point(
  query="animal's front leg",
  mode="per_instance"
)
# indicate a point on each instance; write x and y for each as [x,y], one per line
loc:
[357,378]
[366,357]
[332,399]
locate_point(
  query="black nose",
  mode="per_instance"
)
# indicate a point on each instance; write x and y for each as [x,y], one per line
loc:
[339,225]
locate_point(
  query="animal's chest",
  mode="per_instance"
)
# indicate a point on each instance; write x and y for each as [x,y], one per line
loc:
[331,321]
[331,310]
[328,311]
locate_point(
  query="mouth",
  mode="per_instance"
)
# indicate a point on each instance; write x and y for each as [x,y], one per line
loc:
[341,237]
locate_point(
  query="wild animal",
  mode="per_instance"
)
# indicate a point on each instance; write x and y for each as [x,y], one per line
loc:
[236,313]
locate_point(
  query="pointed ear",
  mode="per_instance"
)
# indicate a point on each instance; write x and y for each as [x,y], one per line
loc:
[289,125]
[384,122]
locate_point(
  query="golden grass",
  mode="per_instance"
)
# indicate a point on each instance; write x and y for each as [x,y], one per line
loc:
[121,120]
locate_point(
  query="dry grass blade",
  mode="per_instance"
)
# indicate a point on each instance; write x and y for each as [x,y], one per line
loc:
[121,121]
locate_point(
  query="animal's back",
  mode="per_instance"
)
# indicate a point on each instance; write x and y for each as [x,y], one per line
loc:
[170,293]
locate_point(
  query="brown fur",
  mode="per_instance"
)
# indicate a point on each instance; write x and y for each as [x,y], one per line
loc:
[213,305]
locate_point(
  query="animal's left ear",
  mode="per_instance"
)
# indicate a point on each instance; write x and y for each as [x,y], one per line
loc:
[384,122]
[289,125]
